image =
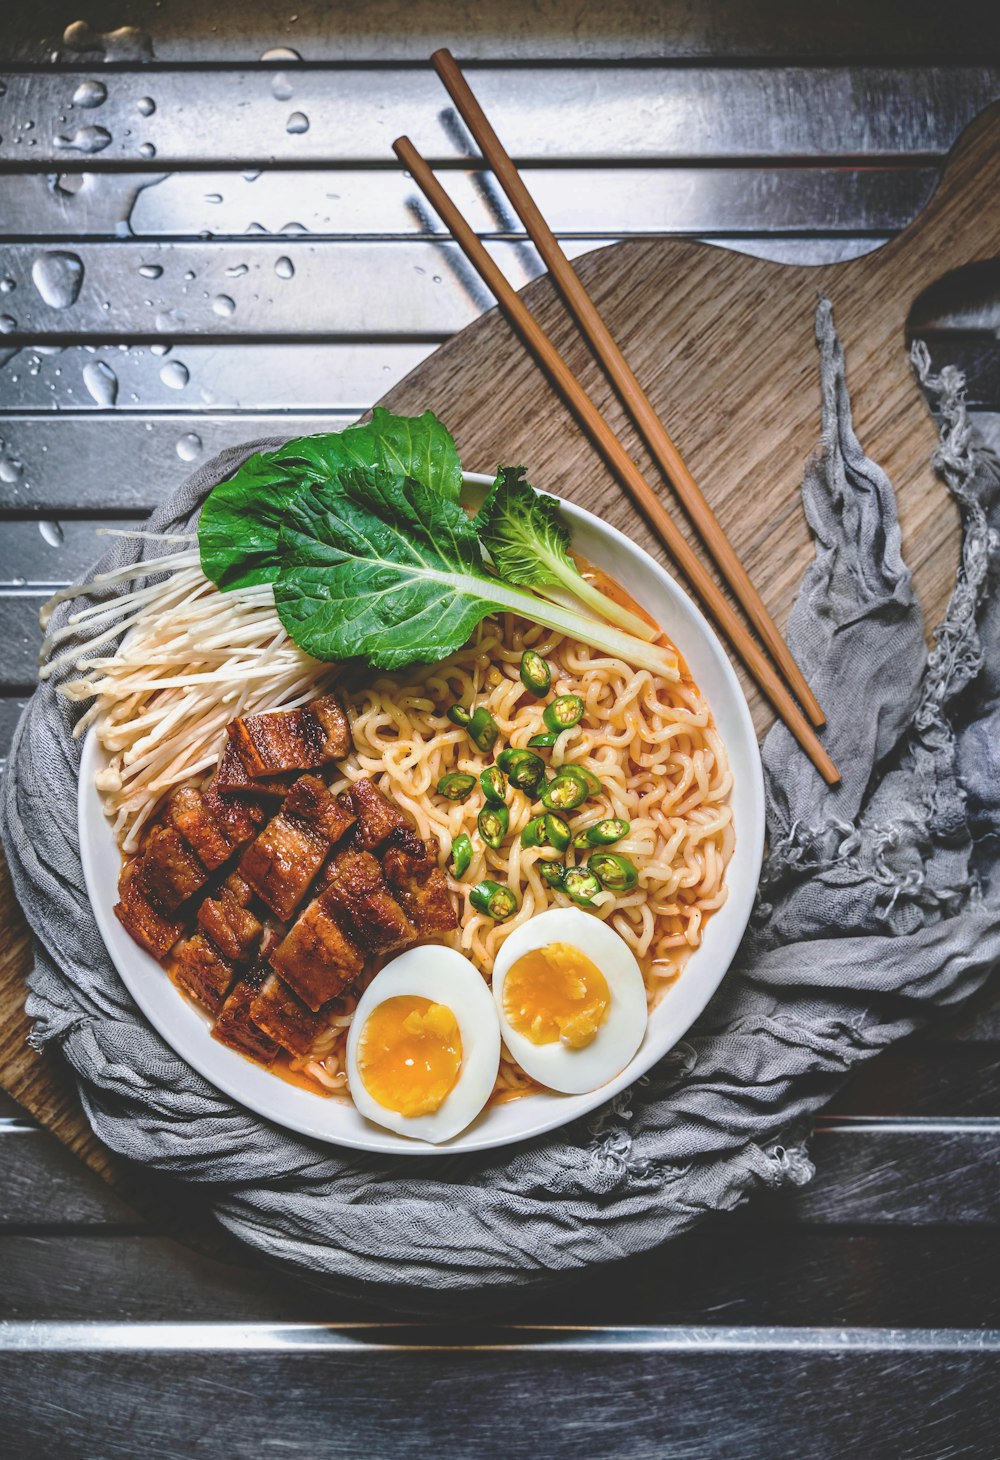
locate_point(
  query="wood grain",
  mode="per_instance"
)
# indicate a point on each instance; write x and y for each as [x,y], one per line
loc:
[723,344]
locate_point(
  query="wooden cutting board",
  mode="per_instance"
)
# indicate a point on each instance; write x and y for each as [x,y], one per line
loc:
[724,345]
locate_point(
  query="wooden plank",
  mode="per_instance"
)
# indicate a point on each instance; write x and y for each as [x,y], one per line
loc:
[728,1271]
[590,202]
[703,1395]
[317,115]
[533,30]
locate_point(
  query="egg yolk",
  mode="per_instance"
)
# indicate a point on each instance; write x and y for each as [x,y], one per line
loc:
[409,1054]
[554,993]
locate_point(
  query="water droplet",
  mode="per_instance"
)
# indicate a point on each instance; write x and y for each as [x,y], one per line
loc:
[213,197]
[102,382]
[190,274]
[297,122]
[293,228]
[86,139]
[284,268]
[90,94]
[52,533]
[145,106]
[437,278]
[8,324]
[7,286]
[280,53]
[223,305]
[236,271]
[175,375]
[159,349]
[150,271]
[281,87]
[57,276]
[256,228]
[250,176]
[188,447]
[11,468]
[147,150]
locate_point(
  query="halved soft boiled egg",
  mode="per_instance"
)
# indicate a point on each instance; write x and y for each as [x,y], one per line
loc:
[424,1045]
[571,1000]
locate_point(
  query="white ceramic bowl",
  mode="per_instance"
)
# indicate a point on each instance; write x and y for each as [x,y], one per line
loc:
[336,1120]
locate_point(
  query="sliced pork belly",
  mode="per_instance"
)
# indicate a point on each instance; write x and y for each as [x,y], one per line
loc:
[317,958]
[282,862]
[291,740]
[366,908]
[212,827]
[149,925]
[230,922]
[203,973]
[172,871]
[232,777]
[378,817]
[235,1025]
[283,1015]
[422,890]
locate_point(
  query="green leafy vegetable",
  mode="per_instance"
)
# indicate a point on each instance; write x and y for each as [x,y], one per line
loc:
[241,520]
[378,566]
[528,539]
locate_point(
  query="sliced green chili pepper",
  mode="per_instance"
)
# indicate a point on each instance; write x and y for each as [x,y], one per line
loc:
[493,823]
[461,855]
[496,901]
[594,787]
[459,715]
[552,873]
[457,786]
[564,712]
[582,886]
[536,676]
[566,790]
[604,834]
[545,741]
[493,784]
[524,768]
[484,729]
[613,871]
[546,831]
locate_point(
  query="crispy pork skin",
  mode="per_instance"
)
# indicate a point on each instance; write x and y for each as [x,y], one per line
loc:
[288,853]
[172,871]
[235,1025]
[283,1015]
[148,924]
[422,890]
[378,817]
[318,958]
[203,973]
[230,922]
[365,906]
[291,740]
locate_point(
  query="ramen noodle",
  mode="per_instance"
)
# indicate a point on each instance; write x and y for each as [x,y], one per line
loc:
[653,745]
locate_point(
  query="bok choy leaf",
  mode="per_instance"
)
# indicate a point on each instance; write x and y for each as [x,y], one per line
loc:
[378,566]
[240,522]
[528,539]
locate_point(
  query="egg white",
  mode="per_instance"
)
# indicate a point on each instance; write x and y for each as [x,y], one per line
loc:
[445,977]
[555,1065]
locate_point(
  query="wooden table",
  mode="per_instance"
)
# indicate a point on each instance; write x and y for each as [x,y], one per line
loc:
[859,1314]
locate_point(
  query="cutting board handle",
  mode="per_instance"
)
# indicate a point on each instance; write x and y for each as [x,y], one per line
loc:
[940,238]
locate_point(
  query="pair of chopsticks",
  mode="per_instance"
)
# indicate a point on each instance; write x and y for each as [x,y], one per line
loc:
[663,450]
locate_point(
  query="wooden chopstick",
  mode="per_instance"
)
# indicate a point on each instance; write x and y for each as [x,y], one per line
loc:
[632,395]
[600,433]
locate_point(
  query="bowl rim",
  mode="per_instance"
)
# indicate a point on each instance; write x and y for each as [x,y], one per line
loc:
[185,1028]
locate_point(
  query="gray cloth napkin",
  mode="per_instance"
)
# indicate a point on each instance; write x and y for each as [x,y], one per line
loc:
[879,902]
